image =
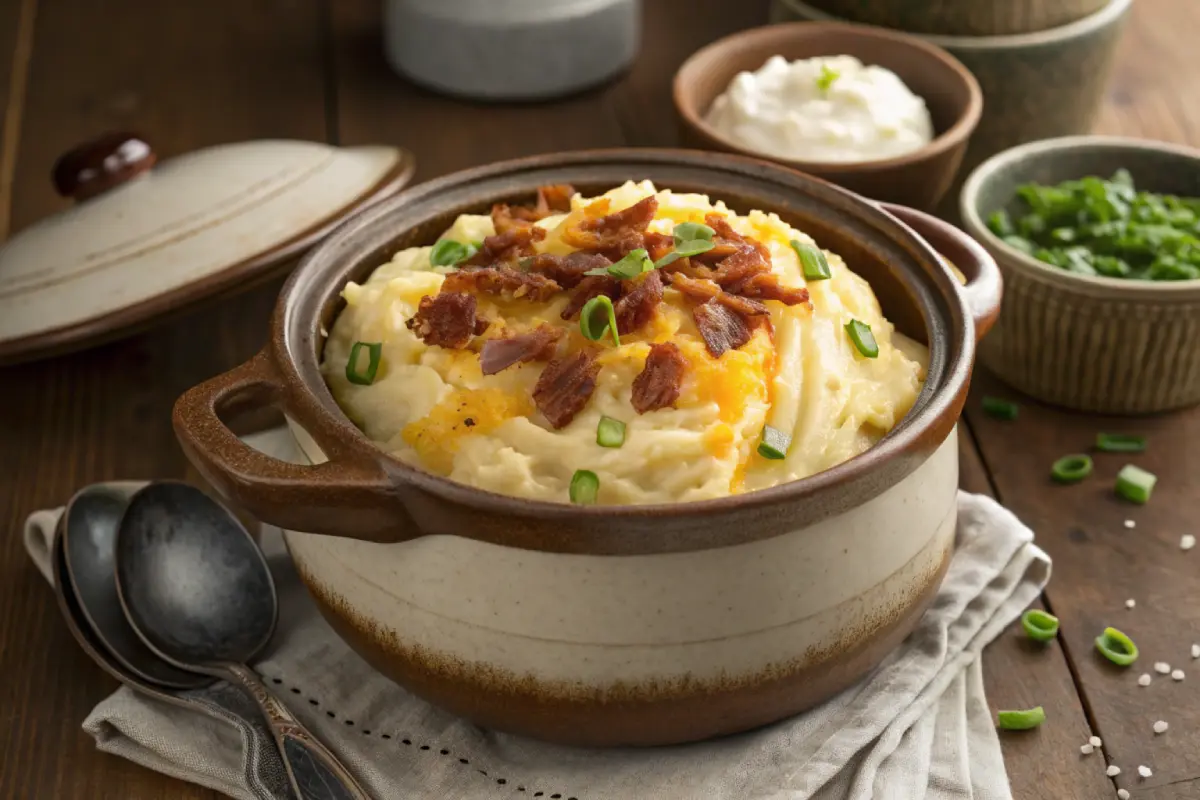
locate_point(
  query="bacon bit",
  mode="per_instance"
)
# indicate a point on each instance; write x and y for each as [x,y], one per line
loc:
[507,245]
[554,198]
[636,308]
[703,289]
[506,218]
[589,287]
[747,261]
[537,345]
[567,271]
[612,231]
[766,286]
[503,281]
[447,320]
[657,385]
[565,386]
[721,328]
[658,245]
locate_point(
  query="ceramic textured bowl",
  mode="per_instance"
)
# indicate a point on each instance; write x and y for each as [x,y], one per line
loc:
[1035,85]
[918,179]
[1089,343]
[963,17]
[611,625]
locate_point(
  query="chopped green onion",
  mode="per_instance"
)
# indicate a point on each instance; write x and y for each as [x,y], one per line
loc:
[691,231]
[448,252]
[1117,647]
[593,329]
[774,444]
[864,340]
[633,264]
[610,432]
[367,376]
[1039,625]
[1021,720]
[1071,469]
[816,266]
[1135,484]
[827,77]
[1120,443]
[999,408]
[690,247]
[584,486]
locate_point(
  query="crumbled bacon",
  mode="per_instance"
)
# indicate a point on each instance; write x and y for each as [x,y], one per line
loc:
[746,261]
[504,281]
[636,307]
[565,386]
[447,320]
[658,244]
[554,198]
[567,271]
[657,385]
[721,328]
[589,287]
[537,345]
[766,286]
[703,289]
[613,231]
[509,244]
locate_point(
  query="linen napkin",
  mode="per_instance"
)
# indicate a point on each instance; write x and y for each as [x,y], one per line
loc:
[917,728]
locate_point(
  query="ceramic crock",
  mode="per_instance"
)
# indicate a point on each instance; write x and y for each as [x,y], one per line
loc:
[612,625]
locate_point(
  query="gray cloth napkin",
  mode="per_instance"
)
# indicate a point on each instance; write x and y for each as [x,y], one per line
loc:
[918,727]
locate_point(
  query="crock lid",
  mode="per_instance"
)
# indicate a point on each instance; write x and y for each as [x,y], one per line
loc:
[144,240]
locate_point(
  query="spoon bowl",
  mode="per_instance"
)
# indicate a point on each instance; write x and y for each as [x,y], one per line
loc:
[194,583]
[86,540]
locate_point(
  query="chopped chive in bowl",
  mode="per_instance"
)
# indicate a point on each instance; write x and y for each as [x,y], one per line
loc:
[1105,227]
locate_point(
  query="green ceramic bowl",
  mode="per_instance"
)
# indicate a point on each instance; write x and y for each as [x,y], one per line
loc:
[963,17]
[1090,343]
[1035,85]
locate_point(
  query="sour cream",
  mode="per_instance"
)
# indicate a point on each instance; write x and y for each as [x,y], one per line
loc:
[825,109]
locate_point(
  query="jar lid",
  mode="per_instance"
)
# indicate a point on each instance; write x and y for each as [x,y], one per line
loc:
[145,240]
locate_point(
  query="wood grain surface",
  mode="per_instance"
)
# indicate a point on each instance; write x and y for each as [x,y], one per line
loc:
[193,74]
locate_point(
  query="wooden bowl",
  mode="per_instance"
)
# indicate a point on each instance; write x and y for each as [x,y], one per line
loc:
[918,179]
[1097,344]
[1035,86]
[963,17]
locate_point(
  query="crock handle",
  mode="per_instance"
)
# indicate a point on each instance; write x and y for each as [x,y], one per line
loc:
[349,495]
[983,285]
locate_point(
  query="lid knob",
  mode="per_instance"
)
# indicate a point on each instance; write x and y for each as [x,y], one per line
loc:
[102,163]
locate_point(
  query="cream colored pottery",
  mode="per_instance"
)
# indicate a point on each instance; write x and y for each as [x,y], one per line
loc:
[143,241]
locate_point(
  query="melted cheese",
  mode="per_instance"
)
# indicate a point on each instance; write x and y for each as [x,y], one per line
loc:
[434,408]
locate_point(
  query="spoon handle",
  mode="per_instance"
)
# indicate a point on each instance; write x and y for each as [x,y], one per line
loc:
[315,773]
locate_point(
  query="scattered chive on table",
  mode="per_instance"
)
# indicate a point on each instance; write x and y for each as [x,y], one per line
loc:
[194,74]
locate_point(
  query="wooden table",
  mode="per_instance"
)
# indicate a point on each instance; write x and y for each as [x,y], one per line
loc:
[194,74]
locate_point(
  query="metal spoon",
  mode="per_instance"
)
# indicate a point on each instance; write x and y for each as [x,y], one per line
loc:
[199,593]
[88,535]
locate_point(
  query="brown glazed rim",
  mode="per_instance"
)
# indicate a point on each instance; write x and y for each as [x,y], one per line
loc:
[234,279]
[762,38]
[291,364]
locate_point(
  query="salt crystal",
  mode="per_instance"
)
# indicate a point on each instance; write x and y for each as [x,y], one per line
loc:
[1144,772]
[1122,794]
[1196,651]
[1086,749]
[1144,680]
[1187,542]
[1177,675]
[1095,741]
[1160,727]
[1162,667]
[1130,603]
[1129,523]
[1112,771]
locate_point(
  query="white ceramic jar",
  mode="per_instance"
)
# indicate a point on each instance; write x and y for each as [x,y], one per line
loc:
[511,49]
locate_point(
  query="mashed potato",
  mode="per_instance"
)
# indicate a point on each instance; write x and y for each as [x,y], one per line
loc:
[432,406]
